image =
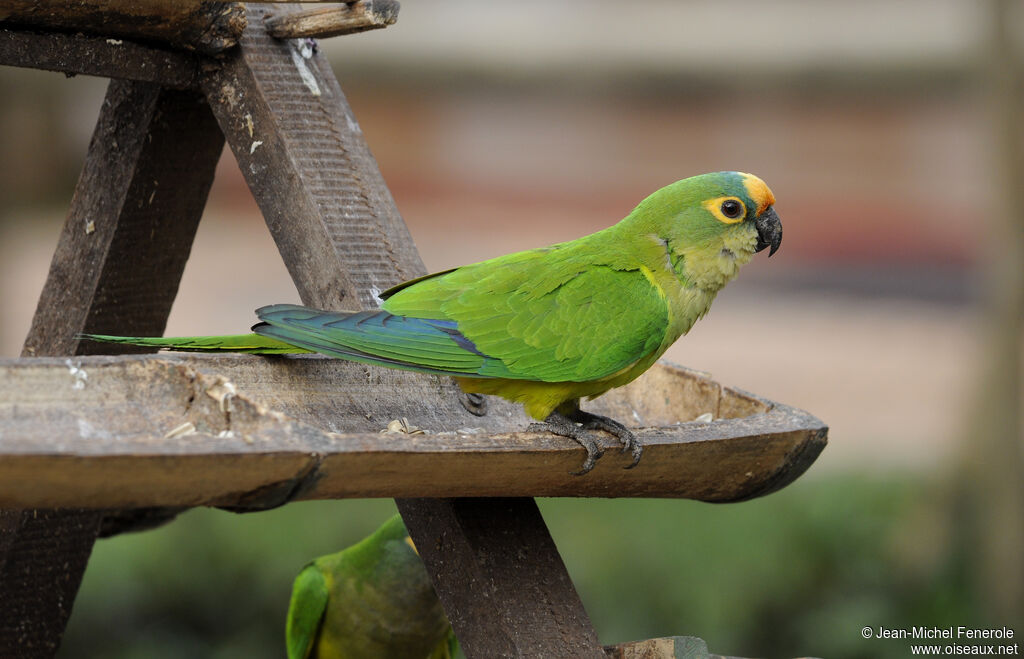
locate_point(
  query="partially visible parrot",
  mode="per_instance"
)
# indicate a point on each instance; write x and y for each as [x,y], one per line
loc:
[372,600]
[546,327]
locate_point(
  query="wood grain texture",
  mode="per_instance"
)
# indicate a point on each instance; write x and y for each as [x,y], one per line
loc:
[332,21]
[120,256]
[198,25]
[249,431]
[490,556]
[117,264]
[97,56]
[309,168]
[43,554]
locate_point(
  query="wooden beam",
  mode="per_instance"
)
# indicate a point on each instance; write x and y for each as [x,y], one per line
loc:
[304,157]
[248,431]
[117,264]
[136,208]
[97,56]
[195,25]
[332,21]
[501,556]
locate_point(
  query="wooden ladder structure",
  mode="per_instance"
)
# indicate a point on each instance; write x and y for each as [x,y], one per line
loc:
[97,444]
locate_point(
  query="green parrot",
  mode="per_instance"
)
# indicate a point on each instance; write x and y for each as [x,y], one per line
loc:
[373,600]
[546,327]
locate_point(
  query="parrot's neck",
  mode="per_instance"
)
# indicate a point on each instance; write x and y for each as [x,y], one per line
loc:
[711,266]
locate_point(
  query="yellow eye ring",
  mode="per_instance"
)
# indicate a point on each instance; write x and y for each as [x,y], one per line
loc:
[728,210]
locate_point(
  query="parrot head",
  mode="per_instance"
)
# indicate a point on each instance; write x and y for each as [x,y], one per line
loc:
[714,223]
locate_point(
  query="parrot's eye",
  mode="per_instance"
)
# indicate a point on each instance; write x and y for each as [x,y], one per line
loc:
[728,210]
[732,208]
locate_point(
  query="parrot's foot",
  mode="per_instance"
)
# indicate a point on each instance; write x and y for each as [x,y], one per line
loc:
[630,442]
[561,425]
[475,404]
[575,427]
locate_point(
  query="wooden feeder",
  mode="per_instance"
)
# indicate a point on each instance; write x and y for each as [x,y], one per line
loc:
[93,444]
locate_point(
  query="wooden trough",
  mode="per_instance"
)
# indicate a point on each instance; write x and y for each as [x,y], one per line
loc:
[245,431]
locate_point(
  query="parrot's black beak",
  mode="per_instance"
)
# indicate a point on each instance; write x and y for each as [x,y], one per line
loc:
[769,230]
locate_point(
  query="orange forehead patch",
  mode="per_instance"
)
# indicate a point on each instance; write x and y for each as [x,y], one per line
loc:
[759,192]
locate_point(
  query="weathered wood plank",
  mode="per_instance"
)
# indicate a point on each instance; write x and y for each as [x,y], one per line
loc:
[199,25]
[42,558]
[117,265]
[123,248]
[324,22]
[501,556]
[309,168]
[97,56]
[199,430]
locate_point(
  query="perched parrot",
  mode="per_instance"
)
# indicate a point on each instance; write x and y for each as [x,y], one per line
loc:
[371,601]
[548,326]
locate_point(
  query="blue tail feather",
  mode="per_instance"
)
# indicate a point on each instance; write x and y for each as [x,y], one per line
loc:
[376,337]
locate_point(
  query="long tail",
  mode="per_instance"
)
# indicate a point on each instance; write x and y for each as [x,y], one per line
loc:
[377,337]
[248,343]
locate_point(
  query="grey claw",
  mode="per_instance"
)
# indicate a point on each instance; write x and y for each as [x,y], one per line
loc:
[593,453]
[565,427]
[629,440]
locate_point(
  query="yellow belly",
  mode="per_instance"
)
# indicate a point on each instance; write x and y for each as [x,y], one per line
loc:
[540,399]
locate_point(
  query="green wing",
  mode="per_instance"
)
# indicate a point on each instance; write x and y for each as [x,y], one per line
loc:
[558,314]
[305,612]
[547,314]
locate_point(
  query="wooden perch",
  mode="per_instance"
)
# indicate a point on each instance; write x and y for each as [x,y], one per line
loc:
[97,56]
[242,431]
[199,25]
[323,22]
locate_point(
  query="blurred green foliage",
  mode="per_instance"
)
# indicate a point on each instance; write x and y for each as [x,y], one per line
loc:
[797,573]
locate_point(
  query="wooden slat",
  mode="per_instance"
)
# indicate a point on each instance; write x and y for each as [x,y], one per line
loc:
[243,430]
[195,25]
[117,264]
[123,248]
[501,556]
[304,157]
[42,558]
[97,56]
[332,21]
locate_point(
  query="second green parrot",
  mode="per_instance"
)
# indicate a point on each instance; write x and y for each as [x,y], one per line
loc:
[547,327]
[372,600]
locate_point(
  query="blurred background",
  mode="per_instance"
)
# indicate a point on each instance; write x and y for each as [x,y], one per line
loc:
[890,133]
